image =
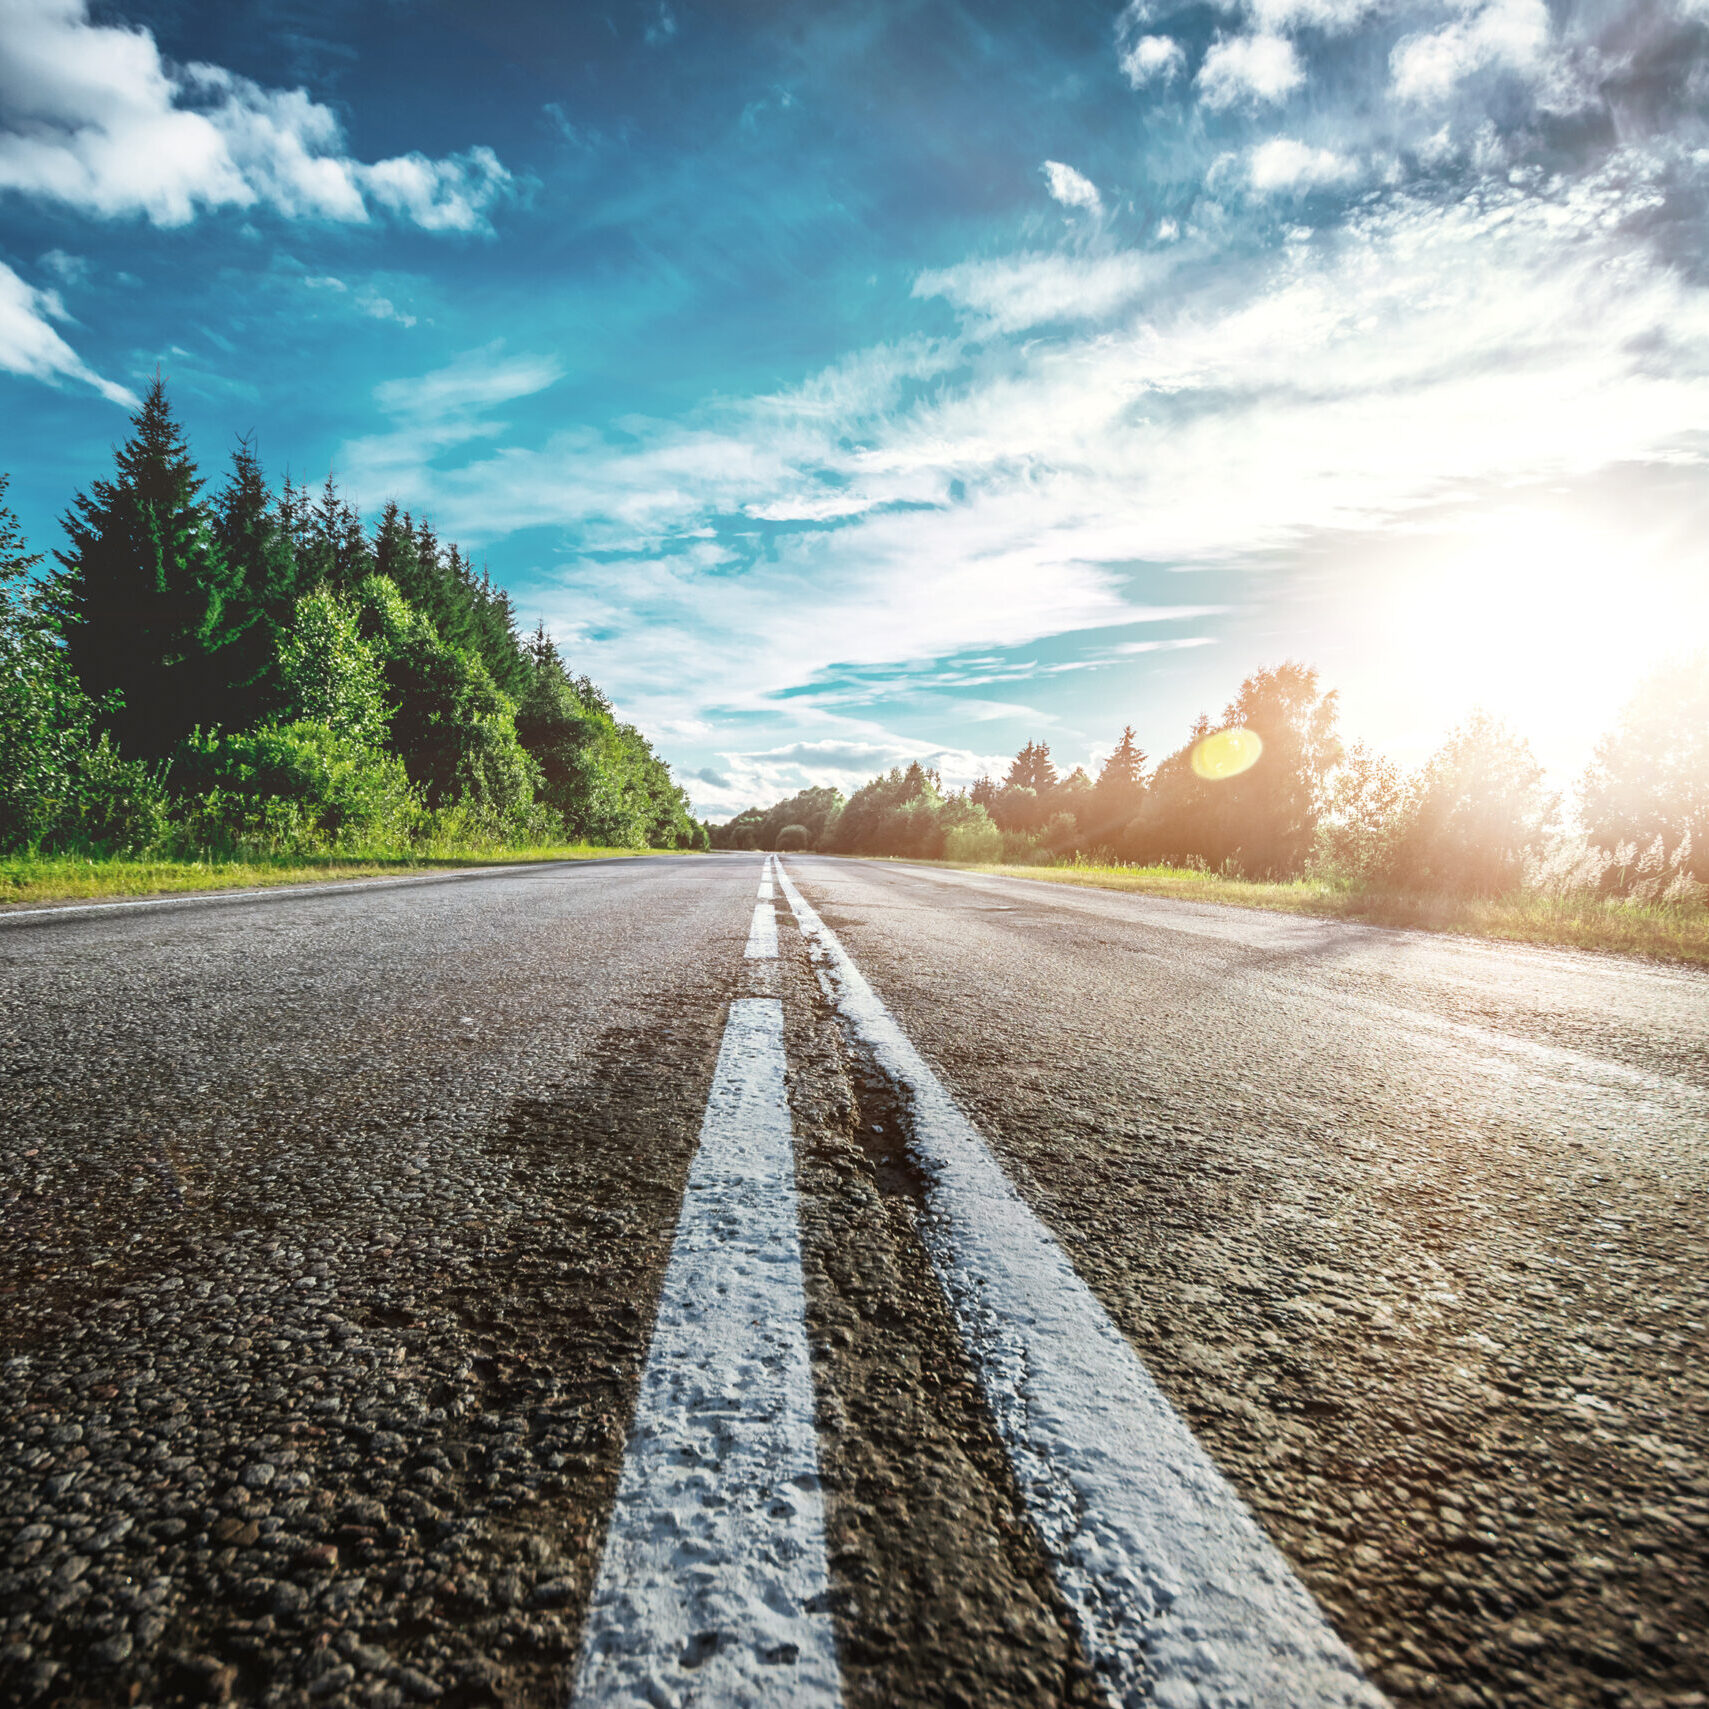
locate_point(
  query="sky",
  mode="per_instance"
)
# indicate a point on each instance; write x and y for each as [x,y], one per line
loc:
[852,381]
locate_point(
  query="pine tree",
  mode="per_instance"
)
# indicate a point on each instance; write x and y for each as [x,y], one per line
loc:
[145,598]
[352,558]
[394,549]
[254,534]
[1120,788]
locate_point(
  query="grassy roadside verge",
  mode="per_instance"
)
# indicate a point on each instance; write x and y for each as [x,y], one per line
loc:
[1660,931]
[27,879]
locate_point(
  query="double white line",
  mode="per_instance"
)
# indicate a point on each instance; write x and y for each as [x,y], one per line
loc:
[715,1565]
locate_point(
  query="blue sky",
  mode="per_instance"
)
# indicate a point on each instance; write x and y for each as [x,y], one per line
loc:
[846,383]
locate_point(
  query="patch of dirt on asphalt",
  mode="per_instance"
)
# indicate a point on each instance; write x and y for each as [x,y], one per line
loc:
[351,1450]
[941,1590]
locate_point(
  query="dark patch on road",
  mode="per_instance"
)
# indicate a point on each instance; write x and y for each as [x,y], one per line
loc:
[941,1590]
[340,1427]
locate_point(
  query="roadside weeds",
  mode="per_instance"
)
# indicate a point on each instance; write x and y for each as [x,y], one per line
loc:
[75,878]
[1658,931]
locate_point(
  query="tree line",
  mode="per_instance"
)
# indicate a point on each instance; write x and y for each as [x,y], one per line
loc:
[259,672]
[1270,791]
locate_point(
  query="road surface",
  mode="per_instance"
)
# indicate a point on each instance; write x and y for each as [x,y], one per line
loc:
[406,1296]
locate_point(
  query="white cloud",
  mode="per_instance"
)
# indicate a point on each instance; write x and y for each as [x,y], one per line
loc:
[1072,189]
[989,491]
[1282,164]
[1011,292]
[1505,34]
[1150,59]
[1249,68]
[95,119]
[759,777]
[1333,16]
[364,298]
[29,343]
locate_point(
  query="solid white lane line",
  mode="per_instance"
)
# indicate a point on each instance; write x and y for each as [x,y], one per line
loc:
[1181,1598]
[762,934]
[712,1586]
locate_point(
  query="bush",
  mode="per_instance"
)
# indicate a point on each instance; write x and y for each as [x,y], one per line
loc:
[974,842]
[1480,813]
[452,725]
[328,674]
[291,788]
[118,807]
[793,837]
[45,719]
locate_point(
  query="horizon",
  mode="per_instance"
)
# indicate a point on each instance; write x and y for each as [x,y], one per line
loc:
[895,384]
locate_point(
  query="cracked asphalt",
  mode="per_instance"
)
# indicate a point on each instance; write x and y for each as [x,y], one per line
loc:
[332,1224]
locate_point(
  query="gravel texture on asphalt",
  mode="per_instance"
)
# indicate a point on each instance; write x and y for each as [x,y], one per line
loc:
[1413,1231]
[331,1231]
[333,1228]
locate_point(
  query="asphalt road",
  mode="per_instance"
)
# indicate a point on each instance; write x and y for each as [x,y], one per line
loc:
[335,1225]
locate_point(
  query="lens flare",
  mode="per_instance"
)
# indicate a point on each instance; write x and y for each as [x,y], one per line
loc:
[1227,753]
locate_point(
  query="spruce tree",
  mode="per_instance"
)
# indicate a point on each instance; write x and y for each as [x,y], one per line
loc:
[1120,788]
[252,532]
[145,598]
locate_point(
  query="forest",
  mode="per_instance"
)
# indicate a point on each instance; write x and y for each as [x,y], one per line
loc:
[250,673]
[1270,791]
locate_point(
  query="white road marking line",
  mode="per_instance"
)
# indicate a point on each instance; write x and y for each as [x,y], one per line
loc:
[1181,1598]
[712,1586]
[762,934]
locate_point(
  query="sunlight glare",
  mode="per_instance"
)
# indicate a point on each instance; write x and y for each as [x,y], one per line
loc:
[1226,753]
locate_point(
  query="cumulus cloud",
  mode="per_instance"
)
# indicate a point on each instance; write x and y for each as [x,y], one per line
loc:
[1249,69]
[1332,16]
[1152,59]
[1503,34]
[1072,189]
[30,344]
[1282,164]
[93,118]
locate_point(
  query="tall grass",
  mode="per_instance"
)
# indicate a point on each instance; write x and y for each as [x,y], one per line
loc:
[1576,896]
[37,879]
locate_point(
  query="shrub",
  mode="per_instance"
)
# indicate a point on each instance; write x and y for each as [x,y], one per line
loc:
[118,807]
[291,788]
[1650,776]
[1481,811]
[45,719]
[328,674]
[974,842]
[793,837]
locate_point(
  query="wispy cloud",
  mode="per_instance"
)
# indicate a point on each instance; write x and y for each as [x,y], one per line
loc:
[1504,34]
[31,344]
[94,119]
[1152,59]
[1071,188]
[1003,490]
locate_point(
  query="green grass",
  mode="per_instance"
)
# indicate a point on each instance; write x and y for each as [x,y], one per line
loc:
[73,878]
[1662,931]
